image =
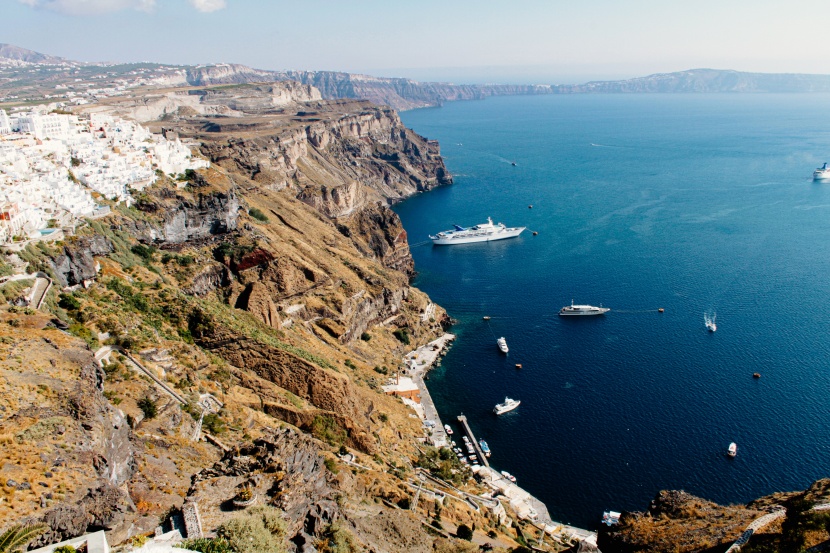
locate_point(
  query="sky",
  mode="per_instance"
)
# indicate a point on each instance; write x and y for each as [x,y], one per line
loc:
[520,41]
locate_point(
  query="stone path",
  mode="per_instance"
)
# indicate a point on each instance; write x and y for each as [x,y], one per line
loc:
[105,351]
[754,526]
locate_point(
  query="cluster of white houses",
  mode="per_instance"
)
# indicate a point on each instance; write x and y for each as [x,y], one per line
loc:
[52,165]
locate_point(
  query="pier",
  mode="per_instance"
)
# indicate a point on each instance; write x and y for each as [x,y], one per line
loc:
[463,420]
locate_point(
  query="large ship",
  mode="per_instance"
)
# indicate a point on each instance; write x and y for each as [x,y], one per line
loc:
[822,173]
[484,232]
[583,310]
[508,405]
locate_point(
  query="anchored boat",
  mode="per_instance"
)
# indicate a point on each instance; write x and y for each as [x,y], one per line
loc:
[502,343]
[822,173]
[732,450]
[583,310]
[508,405]
[485,232]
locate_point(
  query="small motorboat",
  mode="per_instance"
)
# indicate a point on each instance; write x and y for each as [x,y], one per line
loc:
[502,343]
[756,375]
[709,321]
[448,430]
[486,317]
[732,450]
[508,476]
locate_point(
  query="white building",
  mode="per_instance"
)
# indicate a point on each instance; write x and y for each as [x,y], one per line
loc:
[5,123]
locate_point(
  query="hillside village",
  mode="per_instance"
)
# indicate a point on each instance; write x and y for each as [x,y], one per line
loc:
[54,166]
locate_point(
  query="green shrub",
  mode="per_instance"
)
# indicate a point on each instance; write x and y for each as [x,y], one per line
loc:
[327,429]
[258,215]
[69,302]
[144,252]
[148,407]
[206,545]
[65,549]
[464,532]
[336,539]
[213,423]
[331,464]
[259,530]
[365,336]
[402,335]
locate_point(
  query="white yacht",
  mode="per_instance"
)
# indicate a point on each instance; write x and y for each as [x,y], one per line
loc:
[448,430]
[508,405]
[822,173]
[502,343]
[484,232]
[732,450]
[583,310]
[508,476]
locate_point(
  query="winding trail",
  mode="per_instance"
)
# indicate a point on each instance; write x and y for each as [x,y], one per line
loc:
[754,526]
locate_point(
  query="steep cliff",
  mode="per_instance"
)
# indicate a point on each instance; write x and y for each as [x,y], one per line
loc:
[262,305]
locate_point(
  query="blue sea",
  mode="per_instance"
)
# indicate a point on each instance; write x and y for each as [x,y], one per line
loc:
[691,203]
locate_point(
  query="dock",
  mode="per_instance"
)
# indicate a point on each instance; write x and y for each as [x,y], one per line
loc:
[463,420]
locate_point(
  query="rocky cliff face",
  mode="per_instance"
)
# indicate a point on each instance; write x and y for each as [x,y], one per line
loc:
[53,395]
[77,262]
[210,215]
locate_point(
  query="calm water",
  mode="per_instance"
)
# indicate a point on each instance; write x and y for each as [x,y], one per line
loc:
[690,203]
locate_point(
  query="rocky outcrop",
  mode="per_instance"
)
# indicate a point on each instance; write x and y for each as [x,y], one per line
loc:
[77,263]
[679,522]
[210,215]
[285,469]
[336,165]
[104,507]
[322,387]
[379,234]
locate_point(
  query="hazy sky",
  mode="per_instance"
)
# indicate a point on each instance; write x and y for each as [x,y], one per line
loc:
[517,41]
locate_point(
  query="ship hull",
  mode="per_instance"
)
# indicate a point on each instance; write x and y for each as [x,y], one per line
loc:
[590,312]
[490,237]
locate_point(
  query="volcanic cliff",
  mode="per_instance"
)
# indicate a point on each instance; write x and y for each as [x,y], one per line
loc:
[261,303]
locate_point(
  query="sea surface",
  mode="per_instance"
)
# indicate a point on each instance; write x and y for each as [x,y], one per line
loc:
[691,203]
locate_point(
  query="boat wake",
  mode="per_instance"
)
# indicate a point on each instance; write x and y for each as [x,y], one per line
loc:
[709,321]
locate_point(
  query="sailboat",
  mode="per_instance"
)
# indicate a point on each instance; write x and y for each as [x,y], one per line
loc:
[711,326]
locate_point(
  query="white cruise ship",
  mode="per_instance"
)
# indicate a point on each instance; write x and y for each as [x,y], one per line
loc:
[822,173]
[508,405]
[484,232]
[582,310]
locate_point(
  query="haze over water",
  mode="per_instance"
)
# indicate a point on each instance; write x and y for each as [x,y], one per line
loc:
[692,203]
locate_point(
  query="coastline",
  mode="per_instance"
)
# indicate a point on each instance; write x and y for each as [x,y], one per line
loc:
[527,507]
